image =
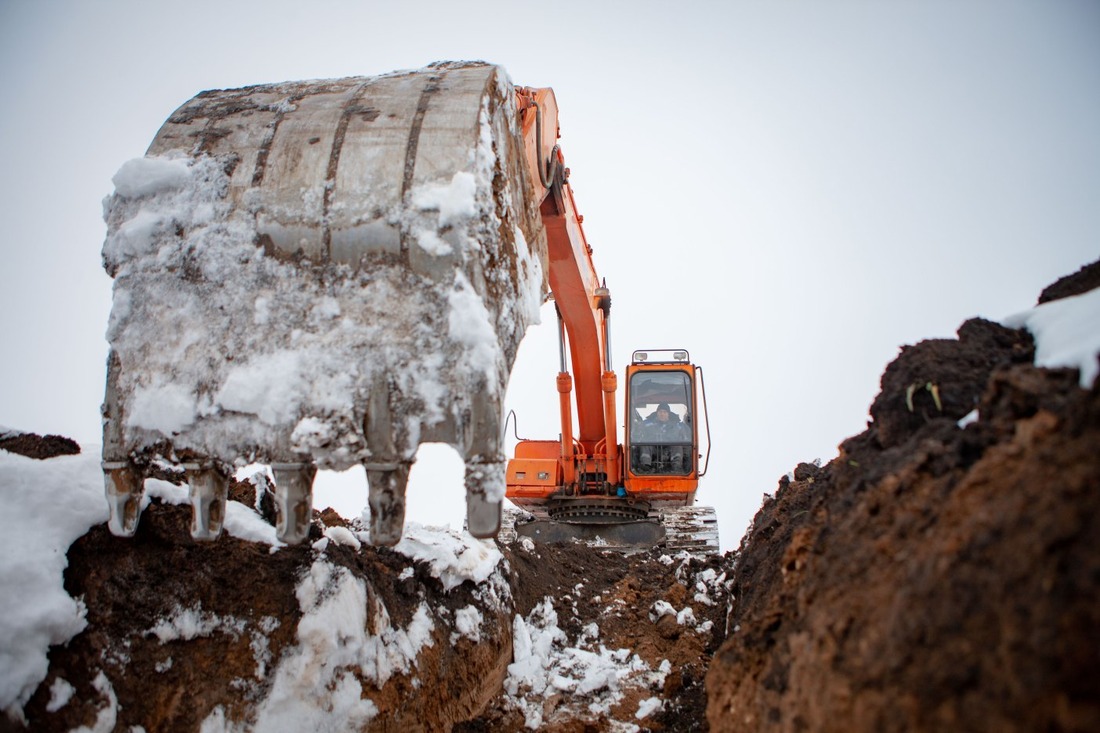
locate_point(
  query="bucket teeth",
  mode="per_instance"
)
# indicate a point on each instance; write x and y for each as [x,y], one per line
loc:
[209,492]
[482,514]
[386,498]
[293,500]
[125,488]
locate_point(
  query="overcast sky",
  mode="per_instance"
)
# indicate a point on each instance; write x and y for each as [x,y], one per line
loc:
[790,190]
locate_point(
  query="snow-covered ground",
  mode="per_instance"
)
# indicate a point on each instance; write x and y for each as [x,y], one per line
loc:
[46,505]
[49,504]
[547,664]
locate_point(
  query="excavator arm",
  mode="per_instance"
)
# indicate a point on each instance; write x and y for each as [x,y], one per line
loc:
[587,486]
[583,306]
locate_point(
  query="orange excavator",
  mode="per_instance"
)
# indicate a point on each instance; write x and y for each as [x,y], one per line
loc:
[586,485]
[328,273]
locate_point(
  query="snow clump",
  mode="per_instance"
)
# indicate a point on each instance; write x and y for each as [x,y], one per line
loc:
[546,665]
[1066,333]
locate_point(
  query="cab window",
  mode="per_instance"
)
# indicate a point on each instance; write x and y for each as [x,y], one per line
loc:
[660,432]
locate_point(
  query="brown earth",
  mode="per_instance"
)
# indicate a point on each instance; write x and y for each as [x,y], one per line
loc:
[930,577]
[130,585]
[583,583]
[38,447]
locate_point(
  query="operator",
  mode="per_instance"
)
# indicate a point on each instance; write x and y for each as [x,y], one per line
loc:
[665,427]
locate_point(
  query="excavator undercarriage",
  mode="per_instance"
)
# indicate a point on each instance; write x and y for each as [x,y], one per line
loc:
[612,525]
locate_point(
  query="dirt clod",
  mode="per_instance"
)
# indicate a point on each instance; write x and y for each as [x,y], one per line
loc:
[38,446]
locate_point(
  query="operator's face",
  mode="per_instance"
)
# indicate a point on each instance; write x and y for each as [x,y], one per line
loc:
[662,415]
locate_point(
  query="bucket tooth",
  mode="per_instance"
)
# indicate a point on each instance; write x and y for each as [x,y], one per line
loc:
[293,500]
[209,492]
[386,498]
[482,513]
[125,488]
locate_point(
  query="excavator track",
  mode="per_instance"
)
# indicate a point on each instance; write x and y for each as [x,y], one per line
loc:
[693,530]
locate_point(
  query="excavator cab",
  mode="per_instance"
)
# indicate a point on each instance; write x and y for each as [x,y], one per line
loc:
[662,447]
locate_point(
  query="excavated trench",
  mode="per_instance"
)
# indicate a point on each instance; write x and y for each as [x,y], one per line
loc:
[930,577]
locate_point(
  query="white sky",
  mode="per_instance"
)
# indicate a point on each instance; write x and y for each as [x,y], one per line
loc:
[791,190]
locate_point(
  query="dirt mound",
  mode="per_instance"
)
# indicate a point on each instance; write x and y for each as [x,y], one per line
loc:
[935,575]
[1082,281]
[188,636]
[181,633]
[38,446]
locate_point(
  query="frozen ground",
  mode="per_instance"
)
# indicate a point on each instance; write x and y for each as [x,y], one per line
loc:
[47,505]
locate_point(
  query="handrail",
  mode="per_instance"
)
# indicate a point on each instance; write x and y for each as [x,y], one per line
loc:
[706,418]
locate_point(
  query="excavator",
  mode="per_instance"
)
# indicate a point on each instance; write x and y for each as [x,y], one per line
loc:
[322,274]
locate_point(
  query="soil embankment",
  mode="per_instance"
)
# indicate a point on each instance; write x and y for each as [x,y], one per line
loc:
[931,577]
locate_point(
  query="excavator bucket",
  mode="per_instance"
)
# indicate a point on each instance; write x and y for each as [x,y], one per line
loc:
[317,275]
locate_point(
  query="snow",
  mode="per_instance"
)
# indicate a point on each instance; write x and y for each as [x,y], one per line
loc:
[168,408]
[190,623]
[546,665]
[1067,333]
[648,707]
[968,418]
[454,199]
[145,177]
[469,324]
[270,389]
[468,623]
[164,491]
[454,557]
[343,536]
[44,507]
[241,521]
[315,685]
[684,617]
[245,523]
[60,694]
[660,610]
[106,716]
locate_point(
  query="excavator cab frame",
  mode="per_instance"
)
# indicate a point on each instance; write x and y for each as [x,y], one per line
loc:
[662,452]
